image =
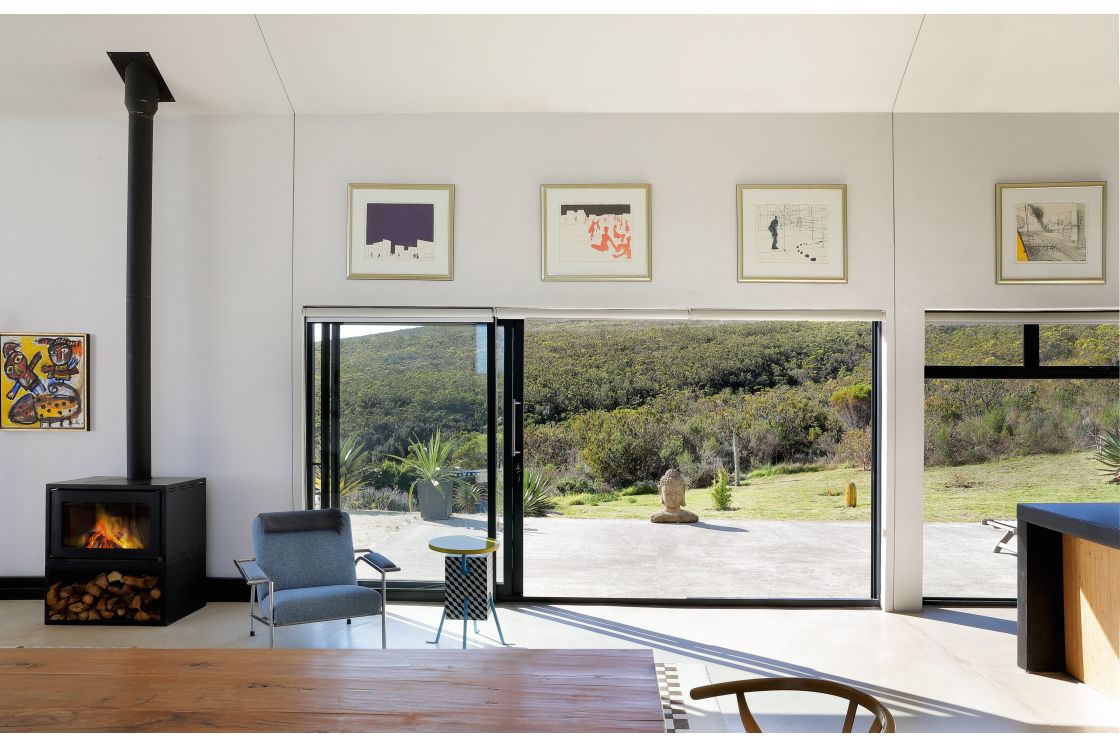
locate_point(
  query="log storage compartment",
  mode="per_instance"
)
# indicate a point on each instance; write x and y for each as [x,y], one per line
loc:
[112,596]
[125,551]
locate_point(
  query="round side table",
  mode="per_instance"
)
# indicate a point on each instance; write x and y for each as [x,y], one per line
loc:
[468,581]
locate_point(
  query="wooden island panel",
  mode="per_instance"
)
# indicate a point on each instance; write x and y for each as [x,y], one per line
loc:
[1091,593]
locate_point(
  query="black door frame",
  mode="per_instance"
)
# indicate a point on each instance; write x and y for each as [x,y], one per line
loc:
[513,591]
[511,587]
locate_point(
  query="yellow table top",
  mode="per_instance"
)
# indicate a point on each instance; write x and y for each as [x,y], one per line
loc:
[461,544]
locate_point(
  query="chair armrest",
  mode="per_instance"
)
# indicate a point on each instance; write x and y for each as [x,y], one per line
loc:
[252,572]
[379,562]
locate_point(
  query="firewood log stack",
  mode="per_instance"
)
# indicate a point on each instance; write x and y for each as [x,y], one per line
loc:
[110,596]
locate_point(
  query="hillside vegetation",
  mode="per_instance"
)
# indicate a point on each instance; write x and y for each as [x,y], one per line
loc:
[610,404]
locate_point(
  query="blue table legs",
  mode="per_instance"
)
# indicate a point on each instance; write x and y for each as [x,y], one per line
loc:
[439,631]
[466,612]
[494,609]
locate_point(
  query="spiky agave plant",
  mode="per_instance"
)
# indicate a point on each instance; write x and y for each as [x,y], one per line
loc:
[353,468]
[429,462]
[1108,454]
[537,493]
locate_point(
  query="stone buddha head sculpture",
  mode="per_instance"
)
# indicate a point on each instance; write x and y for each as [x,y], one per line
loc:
[672,488]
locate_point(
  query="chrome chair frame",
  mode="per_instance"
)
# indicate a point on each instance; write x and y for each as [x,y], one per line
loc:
[255,577]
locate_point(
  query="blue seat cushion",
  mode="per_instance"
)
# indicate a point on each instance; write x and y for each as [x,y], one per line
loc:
[315,603]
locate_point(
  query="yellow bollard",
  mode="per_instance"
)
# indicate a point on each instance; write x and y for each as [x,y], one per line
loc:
[850,495]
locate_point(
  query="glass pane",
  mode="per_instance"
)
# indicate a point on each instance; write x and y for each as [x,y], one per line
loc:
[974,344]
[106,526]
[991,444]
[1079,344]
[412,455]
[499,461]
[315,499]
[765,425]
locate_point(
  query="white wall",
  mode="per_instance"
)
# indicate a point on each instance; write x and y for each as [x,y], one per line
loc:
[231,288]
[946,168]
[498,162]
[221,287]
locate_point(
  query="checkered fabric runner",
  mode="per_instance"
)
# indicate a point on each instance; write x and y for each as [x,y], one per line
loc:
[475,585]
[672,700]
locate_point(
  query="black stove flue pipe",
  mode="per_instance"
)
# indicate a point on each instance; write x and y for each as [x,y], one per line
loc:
[141,98]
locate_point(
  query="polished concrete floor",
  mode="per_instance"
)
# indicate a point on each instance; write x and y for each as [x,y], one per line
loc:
[943,670]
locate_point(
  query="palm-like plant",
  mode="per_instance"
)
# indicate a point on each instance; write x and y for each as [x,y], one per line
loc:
[429,462]
[1108,454]
[537,493]
[353,468]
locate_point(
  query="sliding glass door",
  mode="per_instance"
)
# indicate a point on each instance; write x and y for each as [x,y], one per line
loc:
[561,437]
[400,435]
[765,431]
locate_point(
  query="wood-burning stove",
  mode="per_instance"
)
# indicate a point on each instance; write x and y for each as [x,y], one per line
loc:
[125,551]
[130,550]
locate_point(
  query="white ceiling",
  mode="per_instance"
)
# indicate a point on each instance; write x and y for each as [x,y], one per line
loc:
[238,64]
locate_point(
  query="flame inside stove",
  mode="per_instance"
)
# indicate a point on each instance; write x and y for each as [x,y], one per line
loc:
[111,532]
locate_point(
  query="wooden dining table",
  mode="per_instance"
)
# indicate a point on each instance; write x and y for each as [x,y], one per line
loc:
[308,690]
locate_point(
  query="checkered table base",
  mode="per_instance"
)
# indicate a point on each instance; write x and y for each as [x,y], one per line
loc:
[474,585]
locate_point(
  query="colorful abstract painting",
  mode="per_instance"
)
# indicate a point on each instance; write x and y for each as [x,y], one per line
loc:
[596,232]
[45,383]
[401,231]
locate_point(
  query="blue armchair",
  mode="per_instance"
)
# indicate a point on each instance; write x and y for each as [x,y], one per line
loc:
[305,571]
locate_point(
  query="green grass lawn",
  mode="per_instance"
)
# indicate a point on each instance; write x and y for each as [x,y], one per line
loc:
[968,493]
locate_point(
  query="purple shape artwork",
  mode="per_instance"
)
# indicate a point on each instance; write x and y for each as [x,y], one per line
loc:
[404,225]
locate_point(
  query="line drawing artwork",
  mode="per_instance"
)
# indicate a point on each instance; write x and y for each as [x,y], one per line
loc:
[594,232]
[794,233]
[1050,232]
[400,231]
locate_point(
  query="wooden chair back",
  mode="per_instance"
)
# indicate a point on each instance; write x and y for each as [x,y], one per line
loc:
[883,722]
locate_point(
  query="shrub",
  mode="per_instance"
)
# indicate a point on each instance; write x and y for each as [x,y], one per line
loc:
[640,488]
[577,502]
[376,499]
[721,492]
[853,405]
[784,469]
[855,448]
[596,498]
[570,485]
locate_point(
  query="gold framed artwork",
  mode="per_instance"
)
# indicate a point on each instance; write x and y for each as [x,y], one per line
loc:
[46,382]
[793,233]
[596,232]
[1050,232]
[401,231]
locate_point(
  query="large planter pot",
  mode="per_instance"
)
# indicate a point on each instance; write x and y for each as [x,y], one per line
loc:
[434,505]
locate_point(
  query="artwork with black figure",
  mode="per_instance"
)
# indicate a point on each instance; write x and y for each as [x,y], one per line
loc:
[1050,231]
[791,233]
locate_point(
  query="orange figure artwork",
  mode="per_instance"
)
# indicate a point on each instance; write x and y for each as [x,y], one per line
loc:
[595,232]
